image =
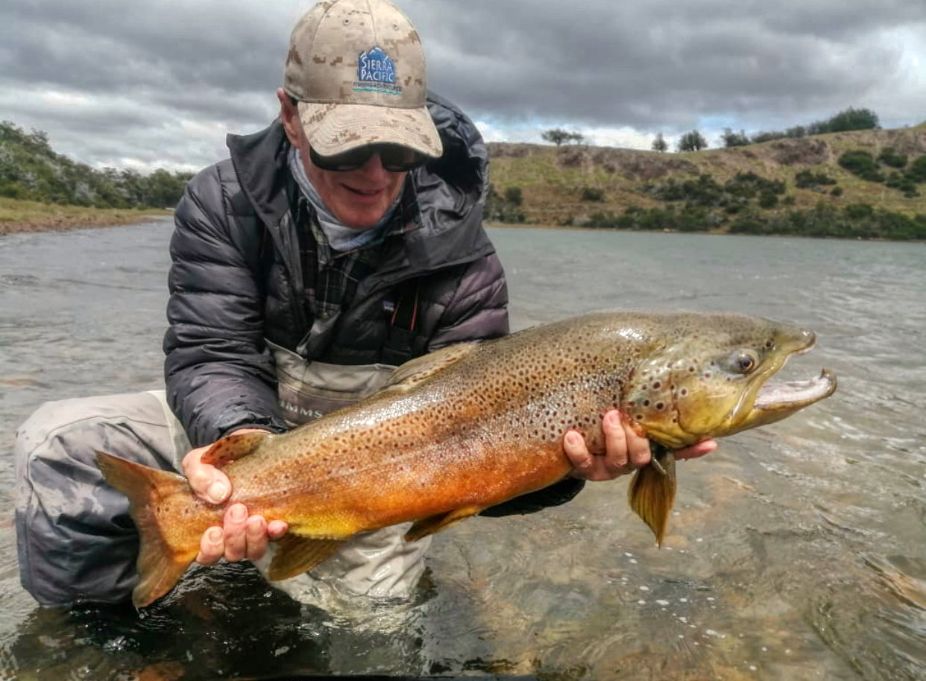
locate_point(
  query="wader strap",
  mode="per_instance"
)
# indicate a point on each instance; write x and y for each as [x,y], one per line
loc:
[402,325]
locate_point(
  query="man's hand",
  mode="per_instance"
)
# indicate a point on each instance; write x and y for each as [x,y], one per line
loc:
[240,536]
[624,452]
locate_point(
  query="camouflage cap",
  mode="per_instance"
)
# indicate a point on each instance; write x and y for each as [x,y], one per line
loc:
[357,69]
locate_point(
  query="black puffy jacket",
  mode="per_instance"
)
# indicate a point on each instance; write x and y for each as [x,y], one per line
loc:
[236,278]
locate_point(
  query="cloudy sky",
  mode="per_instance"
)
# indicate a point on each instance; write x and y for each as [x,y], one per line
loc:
[158,83]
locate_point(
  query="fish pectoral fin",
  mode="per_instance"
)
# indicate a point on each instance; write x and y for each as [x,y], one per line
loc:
[652,491]
[295,555]
[425,526]
[417,370]
[233,447]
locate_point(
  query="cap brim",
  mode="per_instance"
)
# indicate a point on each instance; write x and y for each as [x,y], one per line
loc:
[335,128]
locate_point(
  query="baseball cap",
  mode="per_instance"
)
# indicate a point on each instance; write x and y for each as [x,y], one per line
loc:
[357,70]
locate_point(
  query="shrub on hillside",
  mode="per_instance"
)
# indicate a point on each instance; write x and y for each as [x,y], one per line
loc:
[862,164]
[891,158]
[592,194]
[855,221]
[750,184]
[902,183]
[806,179]
[501,209]
[917,170]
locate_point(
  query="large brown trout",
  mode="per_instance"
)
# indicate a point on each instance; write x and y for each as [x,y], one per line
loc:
[473,425]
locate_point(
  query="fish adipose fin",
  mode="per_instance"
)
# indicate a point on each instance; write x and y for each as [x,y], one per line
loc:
[652,491]
[160,564]
[295,555]
[234,447]
[425,526]
[417,370]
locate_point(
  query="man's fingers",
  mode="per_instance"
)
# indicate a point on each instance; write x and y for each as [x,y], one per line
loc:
[211,546]
[637,447]
[256,534]
[577,452]
[615,442]
[208,482]
[235,524]
[277,528]
[697,450]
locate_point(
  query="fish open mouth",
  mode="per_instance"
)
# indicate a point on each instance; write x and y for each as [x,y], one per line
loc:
[792,395]
[772,400]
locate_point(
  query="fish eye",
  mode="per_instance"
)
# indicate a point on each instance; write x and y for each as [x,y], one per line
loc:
[744,361]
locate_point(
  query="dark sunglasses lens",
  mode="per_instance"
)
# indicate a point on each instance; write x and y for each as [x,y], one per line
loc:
[349,160]
[397,159]
[394,158]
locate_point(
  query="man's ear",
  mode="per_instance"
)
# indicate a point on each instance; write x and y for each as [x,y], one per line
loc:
[289,117]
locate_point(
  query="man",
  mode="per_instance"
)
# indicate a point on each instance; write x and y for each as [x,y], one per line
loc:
[344,239]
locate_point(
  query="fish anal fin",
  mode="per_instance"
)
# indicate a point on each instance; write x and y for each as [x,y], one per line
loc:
[295,555]
[425,526]
[652,492]
[421,368]
[235,446]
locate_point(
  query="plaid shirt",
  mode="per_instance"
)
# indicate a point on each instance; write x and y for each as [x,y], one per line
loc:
[331,277]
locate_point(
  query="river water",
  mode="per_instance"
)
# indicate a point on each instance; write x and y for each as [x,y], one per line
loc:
[797,551]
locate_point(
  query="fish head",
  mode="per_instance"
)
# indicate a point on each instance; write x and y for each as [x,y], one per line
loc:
[710,377]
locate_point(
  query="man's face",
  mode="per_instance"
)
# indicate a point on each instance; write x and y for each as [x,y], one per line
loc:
[358,198]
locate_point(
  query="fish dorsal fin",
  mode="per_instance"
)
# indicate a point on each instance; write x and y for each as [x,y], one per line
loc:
[421,368]
[233,447]
[295,555]
[426,526]
[652,491]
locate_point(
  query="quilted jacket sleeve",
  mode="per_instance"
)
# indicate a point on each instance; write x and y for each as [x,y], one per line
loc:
[478,309]
[218,373]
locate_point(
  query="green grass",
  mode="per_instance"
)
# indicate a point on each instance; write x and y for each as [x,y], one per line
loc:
[17,216]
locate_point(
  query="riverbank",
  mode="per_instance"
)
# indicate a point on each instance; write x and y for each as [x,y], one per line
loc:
[32,216]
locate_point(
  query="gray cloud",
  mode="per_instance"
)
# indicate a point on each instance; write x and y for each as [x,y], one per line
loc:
[662,63]
[132,83]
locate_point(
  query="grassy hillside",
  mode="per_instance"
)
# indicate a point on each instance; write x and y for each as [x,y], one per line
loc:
[772,187]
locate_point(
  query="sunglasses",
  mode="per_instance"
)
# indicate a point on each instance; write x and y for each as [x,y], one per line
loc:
[395,158]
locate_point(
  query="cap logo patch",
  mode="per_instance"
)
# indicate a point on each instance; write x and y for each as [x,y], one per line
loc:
[376,73]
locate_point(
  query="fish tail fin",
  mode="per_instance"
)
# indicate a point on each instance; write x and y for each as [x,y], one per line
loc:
[161,562]
[652,492]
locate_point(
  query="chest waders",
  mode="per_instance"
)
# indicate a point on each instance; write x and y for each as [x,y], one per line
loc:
[380,563]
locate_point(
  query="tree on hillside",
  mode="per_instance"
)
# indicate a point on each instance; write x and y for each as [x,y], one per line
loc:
[558,136]
[30,169]
[849,119]
[692,141]
[660,144]
[734,139]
